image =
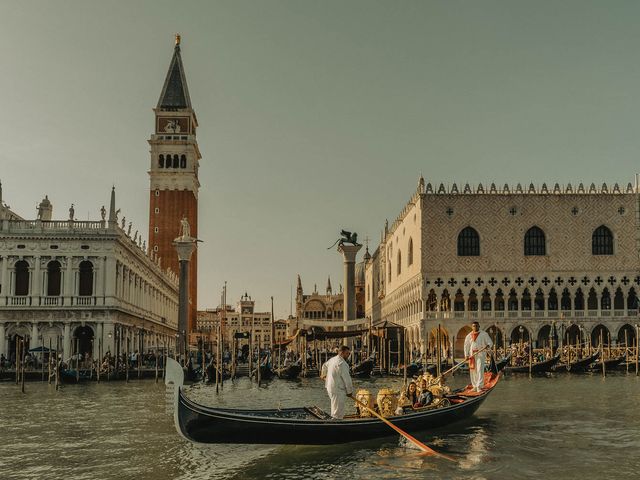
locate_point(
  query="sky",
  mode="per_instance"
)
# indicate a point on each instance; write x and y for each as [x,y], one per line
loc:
[314,115]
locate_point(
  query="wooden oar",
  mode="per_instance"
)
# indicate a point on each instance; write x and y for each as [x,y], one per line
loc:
[412,439]
[458,365]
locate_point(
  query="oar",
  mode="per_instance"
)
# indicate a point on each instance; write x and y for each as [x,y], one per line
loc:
[458,365]
[412,439]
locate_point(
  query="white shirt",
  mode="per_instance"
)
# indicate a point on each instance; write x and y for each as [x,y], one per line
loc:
[338,377]
[482,341]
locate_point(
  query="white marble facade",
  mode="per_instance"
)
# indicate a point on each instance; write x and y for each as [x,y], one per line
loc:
[83,285]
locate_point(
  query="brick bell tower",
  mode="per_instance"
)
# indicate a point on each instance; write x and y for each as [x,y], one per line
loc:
[173,174]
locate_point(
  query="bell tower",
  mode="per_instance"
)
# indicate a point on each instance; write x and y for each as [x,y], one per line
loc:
[173,174]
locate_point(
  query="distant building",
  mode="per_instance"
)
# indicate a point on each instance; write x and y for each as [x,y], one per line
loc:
[328,307]
[242,319]
[86,285]
[535,263]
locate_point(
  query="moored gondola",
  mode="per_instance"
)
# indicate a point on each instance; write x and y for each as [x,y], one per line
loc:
[580,365]
[540,367]
[307,425]
[290,372]
[364,368]
[609,363]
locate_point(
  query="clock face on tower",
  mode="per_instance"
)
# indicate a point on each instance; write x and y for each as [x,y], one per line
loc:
[172,125]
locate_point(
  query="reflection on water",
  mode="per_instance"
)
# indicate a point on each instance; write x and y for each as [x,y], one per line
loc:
[563,427]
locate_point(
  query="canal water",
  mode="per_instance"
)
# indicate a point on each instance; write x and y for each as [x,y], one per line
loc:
[562,427]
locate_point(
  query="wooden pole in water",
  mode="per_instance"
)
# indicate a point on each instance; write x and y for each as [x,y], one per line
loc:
[77,344]
[23,362]
[156,355]
[626,348]
[604,374]
[530,355]
[126,361]
[438,352]
[49,363]
[404,355]
[17,360]
[42,352]
[58,361]
[637,339]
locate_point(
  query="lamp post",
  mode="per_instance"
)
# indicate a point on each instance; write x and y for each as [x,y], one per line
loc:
[521,330]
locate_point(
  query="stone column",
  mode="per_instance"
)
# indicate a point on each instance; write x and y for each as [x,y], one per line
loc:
[68,280]
[66,342]
[185,245]
[33,343]
[4,278]
[2,339]
[37,280]
[349,253]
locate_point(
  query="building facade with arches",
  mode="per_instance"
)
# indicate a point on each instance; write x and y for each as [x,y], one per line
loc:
[533,263]
[85,287]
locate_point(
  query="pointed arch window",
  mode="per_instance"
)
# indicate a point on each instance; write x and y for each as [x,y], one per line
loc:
[410,252]
[602,241]
[161,161]
[22,278]
[183,161]
[399,263]
[176,161]
[535,242]
[468,243]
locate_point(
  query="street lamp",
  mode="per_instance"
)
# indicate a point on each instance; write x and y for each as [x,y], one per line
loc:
[521,330]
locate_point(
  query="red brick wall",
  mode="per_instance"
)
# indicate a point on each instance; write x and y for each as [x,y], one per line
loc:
[172,205]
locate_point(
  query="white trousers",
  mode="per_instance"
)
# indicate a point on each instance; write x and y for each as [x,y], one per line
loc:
[338,400]
[477,373]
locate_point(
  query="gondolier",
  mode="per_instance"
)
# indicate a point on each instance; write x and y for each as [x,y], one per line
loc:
[338,381]
[476,340]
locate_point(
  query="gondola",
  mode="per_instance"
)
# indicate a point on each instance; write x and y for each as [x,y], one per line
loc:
[73,376]
[266,372]
[307,425]
[432,368]
[364,368]
[609,364]
[503,362]
[580,365]
[289,372]
[540,367]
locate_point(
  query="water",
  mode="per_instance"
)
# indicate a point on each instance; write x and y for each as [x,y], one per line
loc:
[561,427]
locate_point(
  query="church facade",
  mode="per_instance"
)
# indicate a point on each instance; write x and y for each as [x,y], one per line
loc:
[542,263]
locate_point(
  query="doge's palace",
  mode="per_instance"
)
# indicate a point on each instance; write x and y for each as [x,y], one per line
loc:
[545,263]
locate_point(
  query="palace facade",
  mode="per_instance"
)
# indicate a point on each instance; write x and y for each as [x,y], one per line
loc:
[83,287]
[540,263]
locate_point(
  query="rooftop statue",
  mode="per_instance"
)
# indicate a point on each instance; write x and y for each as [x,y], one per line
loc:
[347,237]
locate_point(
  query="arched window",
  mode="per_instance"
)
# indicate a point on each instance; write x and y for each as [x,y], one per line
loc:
[389,266]
[534,242]
[161,161]
[22,278]
[468,243]
[183,161]
[399,263]
[85,288]
[632,300]
[54,277]
[176,161]
[553,300]
[410,252]
[605,302]
[602,241]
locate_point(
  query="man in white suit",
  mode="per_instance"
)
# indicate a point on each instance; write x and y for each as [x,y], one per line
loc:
[476,340]
[338,383]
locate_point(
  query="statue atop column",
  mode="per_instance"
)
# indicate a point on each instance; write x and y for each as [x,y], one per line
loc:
[346,237]
[185,228]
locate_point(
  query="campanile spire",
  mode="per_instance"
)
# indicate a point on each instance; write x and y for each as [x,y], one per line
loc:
[173,173]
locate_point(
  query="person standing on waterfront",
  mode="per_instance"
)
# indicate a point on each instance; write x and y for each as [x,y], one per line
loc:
[475,341]
[338,383]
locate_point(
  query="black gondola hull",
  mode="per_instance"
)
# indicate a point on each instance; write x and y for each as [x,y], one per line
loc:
[209,425]
[540,367]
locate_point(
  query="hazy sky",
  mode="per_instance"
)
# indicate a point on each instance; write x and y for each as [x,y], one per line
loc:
[314,115]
